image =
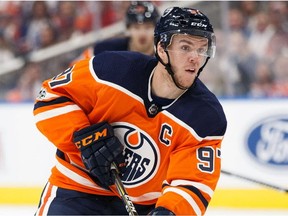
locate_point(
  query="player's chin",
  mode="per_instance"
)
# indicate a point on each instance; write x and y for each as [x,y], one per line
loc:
[188,82]
[190,76]
[186,85]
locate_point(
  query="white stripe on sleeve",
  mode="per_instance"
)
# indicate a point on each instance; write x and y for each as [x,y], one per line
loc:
[50,199]
[76,177]
[56,112]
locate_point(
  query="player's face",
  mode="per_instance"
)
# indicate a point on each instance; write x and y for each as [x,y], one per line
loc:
[187,55]
[142,38]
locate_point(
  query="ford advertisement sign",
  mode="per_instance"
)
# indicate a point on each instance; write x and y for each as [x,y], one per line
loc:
[267,141]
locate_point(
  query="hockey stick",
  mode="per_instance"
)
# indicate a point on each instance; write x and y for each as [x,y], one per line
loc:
[255,181]
[122,192]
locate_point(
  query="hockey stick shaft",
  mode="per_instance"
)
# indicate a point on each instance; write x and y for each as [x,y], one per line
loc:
[122,192]
[255,181]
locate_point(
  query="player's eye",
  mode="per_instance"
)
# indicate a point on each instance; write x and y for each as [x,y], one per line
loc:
[202,50]
[185,48]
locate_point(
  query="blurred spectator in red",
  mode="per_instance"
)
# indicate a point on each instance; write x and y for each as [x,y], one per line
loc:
[108,13]
[10,12]
[64,19]
[84,18]
[10,22]
[121,8]
[10,7]
[280,69]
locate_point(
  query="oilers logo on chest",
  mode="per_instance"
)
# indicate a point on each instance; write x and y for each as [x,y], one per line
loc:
[141,154]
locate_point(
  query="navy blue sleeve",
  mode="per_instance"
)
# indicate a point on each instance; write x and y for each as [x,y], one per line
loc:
[115,44]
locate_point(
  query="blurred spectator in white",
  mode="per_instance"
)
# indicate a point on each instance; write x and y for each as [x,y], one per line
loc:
[243,61]
[261,34]
[28,85]
[6,51]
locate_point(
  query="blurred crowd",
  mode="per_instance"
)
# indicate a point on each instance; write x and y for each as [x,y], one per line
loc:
[29,25]
[252,52]
[252,43]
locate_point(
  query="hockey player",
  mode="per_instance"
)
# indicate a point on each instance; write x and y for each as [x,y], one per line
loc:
[141,18]
[151,117]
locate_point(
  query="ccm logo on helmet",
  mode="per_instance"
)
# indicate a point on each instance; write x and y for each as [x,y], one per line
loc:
[198,24]
[141,154]
[91,138]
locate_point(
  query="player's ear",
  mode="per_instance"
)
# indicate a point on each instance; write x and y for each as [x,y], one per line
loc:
[160,49]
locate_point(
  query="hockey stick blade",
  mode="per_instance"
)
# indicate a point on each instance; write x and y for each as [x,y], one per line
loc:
[255,181]
[122,192]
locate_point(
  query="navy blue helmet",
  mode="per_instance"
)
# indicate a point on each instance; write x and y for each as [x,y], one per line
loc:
[188,21]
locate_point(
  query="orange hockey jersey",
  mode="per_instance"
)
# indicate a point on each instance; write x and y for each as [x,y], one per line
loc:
[172,151]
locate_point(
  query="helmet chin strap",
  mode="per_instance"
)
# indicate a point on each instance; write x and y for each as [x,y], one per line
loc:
[170,71]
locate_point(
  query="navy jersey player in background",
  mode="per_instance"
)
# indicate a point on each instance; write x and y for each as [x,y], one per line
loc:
[140,20]
[151,117]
